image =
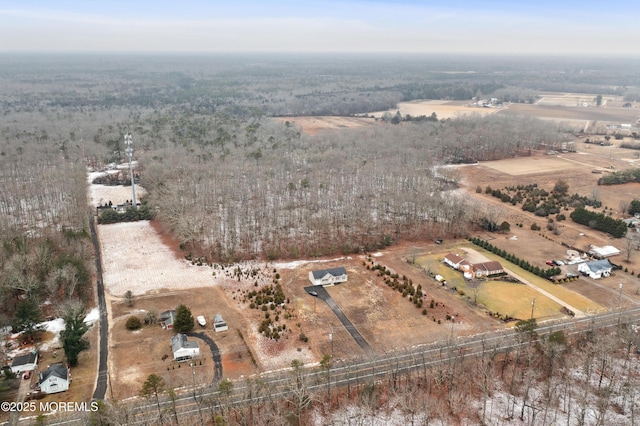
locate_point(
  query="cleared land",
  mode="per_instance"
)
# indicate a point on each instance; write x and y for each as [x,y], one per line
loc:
[443,109]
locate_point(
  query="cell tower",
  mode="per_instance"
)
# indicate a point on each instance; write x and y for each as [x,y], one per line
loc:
[129,151]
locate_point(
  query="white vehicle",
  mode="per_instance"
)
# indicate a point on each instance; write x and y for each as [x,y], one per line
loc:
[201,320]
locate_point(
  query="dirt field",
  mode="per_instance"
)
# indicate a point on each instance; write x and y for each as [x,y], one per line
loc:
[312,125]
[576,99]
[613,115]
[443,109]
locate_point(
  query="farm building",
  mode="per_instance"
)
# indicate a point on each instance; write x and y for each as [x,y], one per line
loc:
[219,324]
[26,362]
[596,269]
[486,269]
[54,379]
[325,277]
[167,318]
[457,262]
[184,349]
[603,252]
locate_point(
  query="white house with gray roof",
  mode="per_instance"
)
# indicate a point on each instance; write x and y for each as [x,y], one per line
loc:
[326,277]
[596,269]
[184,349]
[54,379]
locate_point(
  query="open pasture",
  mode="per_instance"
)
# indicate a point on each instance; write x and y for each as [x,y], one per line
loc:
[443,109]
[530,165]
[575,99]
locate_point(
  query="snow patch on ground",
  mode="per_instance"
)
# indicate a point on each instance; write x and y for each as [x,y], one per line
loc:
[297,263]
[134,258]
[92,316]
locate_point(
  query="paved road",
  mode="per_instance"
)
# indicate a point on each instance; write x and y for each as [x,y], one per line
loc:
[324,295]
[103,347]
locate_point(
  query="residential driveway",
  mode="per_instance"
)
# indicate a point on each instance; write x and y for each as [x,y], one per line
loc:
[215,352]
[355,334]
[473,254]
[578,313]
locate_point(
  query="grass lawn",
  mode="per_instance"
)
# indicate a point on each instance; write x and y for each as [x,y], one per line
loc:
[571,297]
[509,298]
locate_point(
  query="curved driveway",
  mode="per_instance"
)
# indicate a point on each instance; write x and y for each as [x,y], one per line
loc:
[324,295]
[215,352]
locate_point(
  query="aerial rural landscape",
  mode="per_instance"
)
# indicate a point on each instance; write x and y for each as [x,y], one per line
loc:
[245,238]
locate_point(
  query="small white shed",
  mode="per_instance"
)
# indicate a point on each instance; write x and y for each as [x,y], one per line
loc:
[219,324]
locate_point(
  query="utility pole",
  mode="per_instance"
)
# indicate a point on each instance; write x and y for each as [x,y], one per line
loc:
[533,304]
[619,302]
[129,151]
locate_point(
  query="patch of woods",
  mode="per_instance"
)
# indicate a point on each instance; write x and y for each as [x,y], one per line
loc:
[131,214]
[620,177]
[541,202]
[291,195]
[600,221]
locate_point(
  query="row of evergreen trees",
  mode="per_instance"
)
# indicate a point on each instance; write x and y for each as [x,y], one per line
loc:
[544,273]
[132,214]
[616,227]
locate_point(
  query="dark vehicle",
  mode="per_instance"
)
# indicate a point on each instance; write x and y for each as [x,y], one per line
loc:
[313,293]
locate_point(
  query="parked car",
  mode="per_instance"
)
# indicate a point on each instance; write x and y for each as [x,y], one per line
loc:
[314,293]
[550,263]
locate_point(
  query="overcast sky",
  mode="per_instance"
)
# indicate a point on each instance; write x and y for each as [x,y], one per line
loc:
[492,26]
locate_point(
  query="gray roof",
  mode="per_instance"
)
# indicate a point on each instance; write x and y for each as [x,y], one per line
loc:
[25,359]
[333,271]
[54,370]
[179,341]
[599,265]
[217,318]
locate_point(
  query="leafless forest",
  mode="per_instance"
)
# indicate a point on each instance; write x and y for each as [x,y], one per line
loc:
[232,183]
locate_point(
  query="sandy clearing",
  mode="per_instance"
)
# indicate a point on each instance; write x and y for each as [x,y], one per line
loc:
[134,258]
[442,109]
[530,165]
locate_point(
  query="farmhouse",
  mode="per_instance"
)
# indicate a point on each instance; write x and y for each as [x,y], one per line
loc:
[326,277]
[603,252]
[167,319]
[54,379]
[457,262]
[596,269]
[183,349]
[486,269]
[26,362]
[219,324]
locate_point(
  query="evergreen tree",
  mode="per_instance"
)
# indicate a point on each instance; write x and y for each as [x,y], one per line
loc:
[72,338]
[184,320]
[27,317]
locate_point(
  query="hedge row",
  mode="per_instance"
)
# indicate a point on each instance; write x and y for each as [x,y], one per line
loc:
[544,273]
